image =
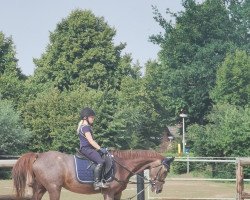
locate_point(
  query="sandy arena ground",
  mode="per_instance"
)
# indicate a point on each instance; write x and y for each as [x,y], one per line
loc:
[172,190]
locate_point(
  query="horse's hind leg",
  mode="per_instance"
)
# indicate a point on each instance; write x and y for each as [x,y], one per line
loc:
[38,192]
[54,194]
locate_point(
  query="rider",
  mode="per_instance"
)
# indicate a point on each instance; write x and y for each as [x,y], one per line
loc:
[89,147]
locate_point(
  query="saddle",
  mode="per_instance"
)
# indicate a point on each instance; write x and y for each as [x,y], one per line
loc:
[85,168]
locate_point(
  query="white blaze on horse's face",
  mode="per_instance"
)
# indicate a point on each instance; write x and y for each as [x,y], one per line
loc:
[157,175]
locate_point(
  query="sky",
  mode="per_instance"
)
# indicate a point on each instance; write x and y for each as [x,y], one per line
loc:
[30,22]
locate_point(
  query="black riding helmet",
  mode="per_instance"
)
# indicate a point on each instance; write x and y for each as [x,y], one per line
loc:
[86,112]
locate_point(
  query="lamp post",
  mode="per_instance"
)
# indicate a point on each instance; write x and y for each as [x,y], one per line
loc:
[183,116]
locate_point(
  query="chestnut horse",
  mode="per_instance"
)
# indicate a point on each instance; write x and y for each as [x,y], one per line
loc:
[50,171]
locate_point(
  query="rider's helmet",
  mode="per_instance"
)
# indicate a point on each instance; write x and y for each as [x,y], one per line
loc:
[86,112]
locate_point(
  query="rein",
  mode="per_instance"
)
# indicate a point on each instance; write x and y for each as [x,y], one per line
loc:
[126,168]
[142,177]
[149,182]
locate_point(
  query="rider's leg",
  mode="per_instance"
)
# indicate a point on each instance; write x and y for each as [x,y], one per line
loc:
[98,172]
[95,156]
[97,177]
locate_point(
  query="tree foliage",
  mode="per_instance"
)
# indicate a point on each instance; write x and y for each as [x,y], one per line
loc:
[204,59]
[227,133]
[159,100]
[53,118]
[191,51]
[232,82]
[240,15]
[11,78]
[135,121]
[8,61]
[13,135]
[82,51]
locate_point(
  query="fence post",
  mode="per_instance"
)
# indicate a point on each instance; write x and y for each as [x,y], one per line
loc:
[241,194]
[188,164]
[239,179]
[140,186]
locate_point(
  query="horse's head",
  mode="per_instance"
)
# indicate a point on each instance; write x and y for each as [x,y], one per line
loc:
[158,174]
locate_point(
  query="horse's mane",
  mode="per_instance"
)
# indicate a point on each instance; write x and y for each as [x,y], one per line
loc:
[136,154]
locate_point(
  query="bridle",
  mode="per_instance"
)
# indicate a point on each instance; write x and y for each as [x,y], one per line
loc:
[149,182]
[152,182]
[156,178]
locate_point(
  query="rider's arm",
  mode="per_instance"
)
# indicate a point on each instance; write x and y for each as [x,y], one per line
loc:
[91,141]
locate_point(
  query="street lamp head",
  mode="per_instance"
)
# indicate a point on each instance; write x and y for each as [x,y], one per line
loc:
[170,138]
[183,115]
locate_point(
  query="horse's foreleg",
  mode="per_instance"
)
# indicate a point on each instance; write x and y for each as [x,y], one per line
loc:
[108,196]
[118,196]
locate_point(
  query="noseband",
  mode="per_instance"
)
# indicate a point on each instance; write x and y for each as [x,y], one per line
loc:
[156,179]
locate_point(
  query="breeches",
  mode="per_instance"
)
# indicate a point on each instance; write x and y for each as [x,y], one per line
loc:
[92,154]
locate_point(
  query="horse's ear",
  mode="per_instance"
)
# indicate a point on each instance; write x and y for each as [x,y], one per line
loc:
[168,161]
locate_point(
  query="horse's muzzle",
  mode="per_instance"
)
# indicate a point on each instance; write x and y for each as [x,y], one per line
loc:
[156,190]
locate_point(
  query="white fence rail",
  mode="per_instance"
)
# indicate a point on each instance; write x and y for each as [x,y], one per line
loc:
[188,160]
[7,163]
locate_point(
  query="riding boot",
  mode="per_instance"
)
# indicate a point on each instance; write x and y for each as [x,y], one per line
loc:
[97,177]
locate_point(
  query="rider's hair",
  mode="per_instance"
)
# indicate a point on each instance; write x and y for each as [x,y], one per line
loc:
[79,126]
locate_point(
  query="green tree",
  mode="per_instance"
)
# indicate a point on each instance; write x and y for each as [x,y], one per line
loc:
[53,118]
[240,12]
[226,134]
[82,51]
[136,122]
[159,98]
[13,135]
[191,50]
[11,78]
[106,107]
[81,67]
[233,82]
[8,61]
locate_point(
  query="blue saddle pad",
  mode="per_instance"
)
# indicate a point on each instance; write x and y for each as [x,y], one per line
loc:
[84,171]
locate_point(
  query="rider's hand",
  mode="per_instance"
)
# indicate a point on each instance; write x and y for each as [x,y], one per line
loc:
[102,150]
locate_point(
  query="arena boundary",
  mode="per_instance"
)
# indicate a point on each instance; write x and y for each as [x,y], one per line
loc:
[241,194]
[239,163]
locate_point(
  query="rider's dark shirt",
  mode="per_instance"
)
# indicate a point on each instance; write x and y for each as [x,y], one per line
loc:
[83,140]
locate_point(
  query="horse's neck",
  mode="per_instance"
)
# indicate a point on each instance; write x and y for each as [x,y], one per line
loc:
[131,162]
[141,164]
[136,165]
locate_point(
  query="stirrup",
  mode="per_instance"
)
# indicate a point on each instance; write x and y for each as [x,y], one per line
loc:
[104,185]
[96,187]
[99,185]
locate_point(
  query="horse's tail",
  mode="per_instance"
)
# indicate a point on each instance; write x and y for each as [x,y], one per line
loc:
[21,171]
